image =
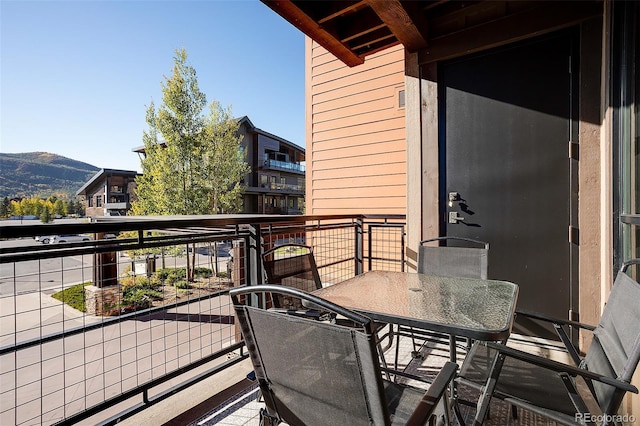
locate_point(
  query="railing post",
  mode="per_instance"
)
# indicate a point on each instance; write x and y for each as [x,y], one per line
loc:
[254,255]
[359,246]
[402,244]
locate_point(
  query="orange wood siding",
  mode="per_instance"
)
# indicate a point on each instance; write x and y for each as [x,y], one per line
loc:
[356,149]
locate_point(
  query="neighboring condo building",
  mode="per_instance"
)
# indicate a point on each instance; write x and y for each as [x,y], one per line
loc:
[109,192]
[276,183]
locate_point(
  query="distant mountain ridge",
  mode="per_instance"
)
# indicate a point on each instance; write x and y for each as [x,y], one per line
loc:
[42,174]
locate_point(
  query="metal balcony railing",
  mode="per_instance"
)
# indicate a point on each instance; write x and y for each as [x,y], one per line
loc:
[88,325]
[284,165]
[283,187]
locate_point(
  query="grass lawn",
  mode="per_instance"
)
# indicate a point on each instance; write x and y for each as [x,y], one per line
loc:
[73,296]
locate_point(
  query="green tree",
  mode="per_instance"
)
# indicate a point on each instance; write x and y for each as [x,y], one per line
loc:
[29,206]
[75,207]
[5,207]
[45,215]
[223,161]
[59,208]
[193,163]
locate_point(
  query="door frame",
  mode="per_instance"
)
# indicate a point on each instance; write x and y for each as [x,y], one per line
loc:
[570,39]
[423,165]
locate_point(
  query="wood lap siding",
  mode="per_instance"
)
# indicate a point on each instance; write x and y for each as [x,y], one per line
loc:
[356,150]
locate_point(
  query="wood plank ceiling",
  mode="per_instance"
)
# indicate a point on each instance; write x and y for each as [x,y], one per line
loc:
[436,29]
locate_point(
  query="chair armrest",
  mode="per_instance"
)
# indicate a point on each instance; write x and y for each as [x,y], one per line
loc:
[430,400]
[559,321]
[560,367]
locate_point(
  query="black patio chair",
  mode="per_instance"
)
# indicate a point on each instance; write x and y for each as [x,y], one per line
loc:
[292,265]
[469,258]
[547,387]
[319,373]
[469,261]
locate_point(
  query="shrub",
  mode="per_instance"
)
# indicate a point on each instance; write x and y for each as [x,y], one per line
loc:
[172,275]
[141,297]
[202,272]
[182,284]
[134,281]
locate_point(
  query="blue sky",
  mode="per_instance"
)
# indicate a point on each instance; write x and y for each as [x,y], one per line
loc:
[76,77]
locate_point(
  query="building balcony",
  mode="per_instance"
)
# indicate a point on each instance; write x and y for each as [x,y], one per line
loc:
[284,166]
[284,187]
[117,206]
[277,188]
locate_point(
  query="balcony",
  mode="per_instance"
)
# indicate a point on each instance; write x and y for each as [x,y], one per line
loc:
[281,187]
[117,206]
[139,331]
[284,166]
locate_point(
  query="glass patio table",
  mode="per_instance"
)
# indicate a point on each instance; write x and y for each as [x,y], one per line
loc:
[466,307]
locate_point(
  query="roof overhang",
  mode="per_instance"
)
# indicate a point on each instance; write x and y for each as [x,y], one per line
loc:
[436,29]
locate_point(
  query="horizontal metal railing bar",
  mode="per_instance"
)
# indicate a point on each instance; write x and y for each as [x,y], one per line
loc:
[61,250]
[136,223]
[385,225]
[337,262]
[155,382]
[104,323]
[307,224]
[384,259]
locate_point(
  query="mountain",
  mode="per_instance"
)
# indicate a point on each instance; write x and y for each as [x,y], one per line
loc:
[41,174]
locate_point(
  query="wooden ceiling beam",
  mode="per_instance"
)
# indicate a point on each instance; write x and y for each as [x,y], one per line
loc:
[343,9]
[299,19]
[402,24]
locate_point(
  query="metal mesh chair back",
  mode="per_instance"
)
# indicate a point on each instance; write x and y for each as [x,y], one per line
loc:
[316,373]
[454,261]
[615,349]
[322,373]
[292,265]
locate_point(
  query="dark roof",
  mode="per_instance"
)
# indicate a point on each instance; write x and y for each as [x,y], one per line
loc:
[245,120]
[255,129]
[103,173]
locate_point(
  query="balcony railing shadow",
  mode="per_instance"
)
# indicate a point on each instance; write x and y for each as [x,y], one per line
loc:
[98,331]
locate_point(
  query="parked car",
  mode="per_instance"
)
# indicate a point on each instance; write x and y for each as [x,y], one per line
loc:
[44,239]
[62,238]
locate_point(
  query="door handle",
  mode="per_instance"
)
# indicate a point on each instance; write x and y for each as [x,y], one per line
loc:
[454,218]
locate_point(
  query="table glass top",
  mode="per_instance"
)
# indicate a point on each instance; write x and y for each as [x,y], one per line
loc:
[459,303]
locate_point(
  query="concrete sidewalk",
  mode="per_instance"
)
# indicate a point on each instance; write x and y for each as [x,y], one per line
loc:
[48,382]
[36,315]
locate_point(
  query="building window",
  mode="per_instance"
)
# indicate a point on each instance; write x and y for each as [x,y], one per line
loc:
[89,201]
[98,200]
[263,180]
[401,99]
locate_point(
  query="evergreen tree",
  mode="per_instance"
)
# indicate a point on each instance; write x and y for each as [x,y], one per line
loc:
[45,215]
[5,207]
[59,208]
